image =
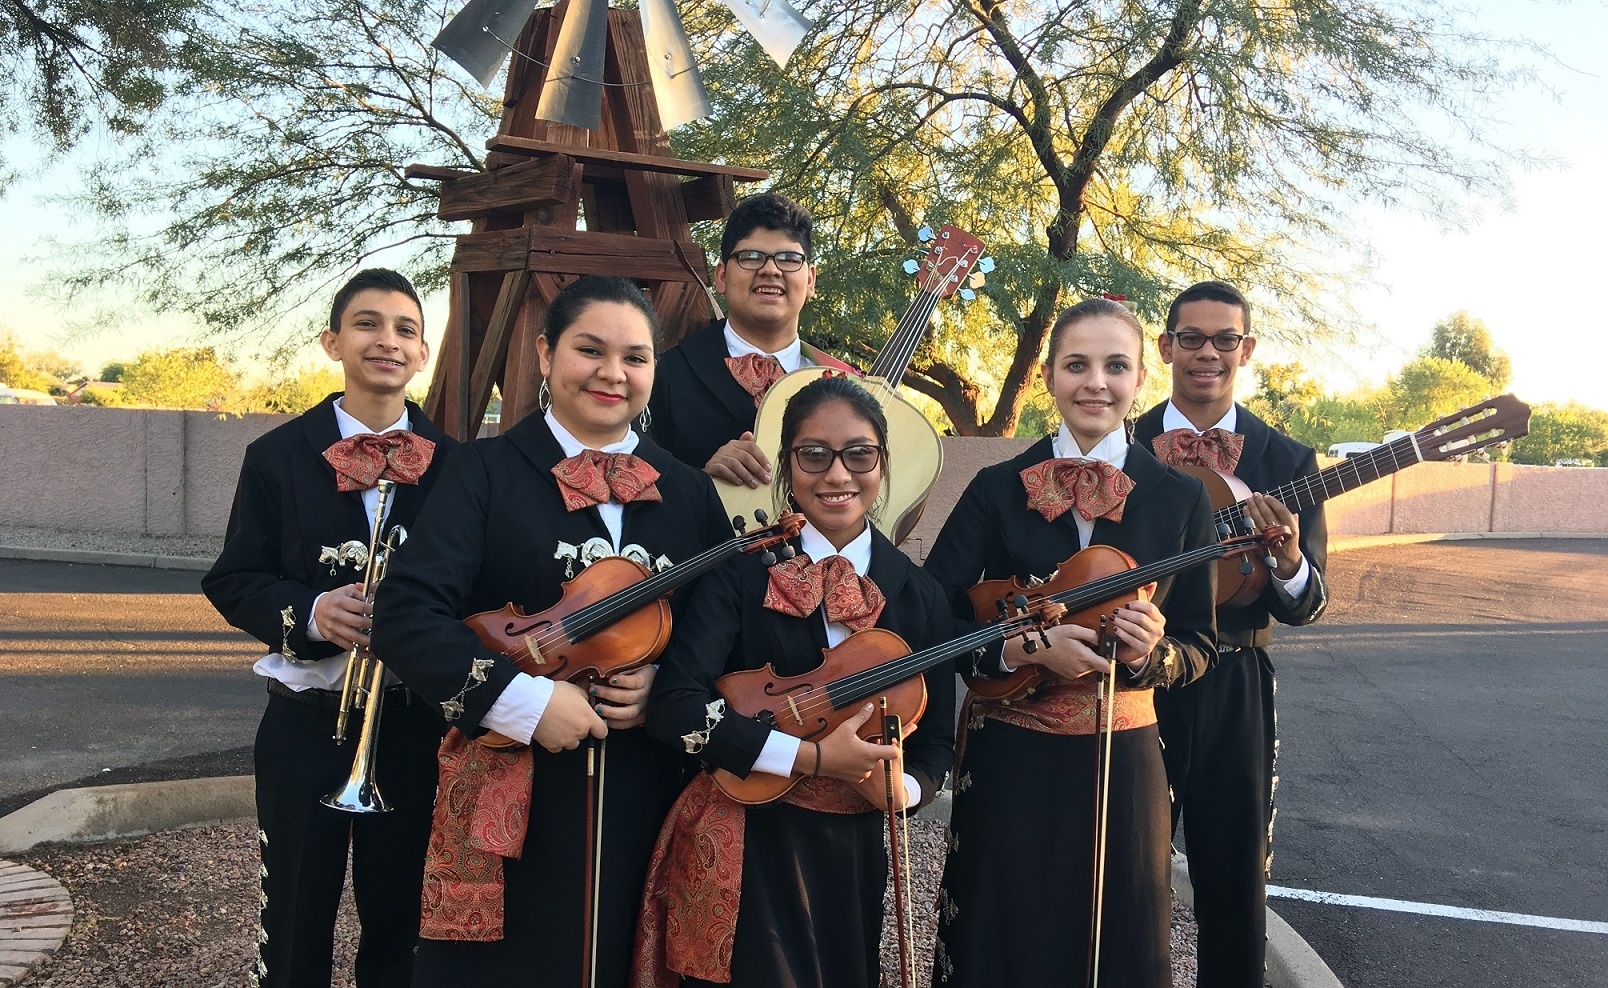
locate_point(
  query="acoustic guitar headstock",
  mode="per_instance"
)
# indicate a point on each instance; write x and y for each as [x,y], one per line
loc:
[954,263]
[1495,420]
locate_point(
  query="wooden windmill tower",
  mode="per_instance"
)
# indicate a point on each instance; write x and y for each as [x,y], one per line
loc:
[543,182]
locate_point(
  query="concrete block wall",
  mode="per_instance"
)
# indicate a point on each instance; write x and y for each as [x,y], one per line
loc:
[173,473]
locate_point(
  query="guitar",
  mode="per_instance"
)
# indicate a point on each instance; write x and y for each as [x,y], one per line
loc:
[1495,420]
[915,455]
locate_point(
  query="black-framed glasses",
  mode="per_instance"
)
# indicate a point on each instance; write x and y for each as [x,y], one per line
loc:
[1226,342]
[818,459]
[752,260]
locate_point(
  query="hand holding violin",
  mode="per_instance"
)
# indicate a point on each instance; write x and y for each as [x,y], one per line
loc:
[567,720]
[624,698]
[1139,626]
[1269,512]
[844,755]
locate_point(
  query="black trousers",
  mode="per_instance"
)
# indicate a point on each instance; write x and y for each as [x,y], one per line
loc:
[1220,741]
[304,844]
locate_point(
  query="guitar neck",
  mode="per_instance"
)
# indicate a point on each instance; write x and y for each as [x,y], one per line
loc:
[1348,474]
[894,358]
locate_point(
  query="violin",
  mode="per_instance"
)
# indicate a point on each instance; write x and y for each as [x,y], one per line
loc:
[1088,588]
[613,617]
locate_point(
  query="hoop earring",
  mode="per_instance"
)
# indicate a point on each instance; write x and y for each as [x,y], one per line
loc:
[544,398]
[645,420]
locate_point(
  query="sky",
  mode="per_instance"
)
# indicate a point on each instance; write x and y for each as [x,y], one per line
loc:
[1526,269]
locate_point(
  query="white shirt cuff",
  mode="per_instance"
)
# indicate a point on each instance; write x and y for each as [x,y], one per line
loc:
[517,712]
[912,791]
[778,755]
[1295,585]
[313,634]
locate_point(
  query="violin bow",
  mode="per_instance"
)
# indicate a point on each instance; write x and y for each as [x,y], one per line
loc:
[1105,714]
[893,733]
[596,764]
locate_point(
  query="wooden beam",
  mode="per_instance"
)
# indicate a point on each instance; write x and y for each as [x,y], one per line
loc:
[435,173]
[712,197]
[496,250]
[494,348]
[586,252]
[639,162]
[517,188]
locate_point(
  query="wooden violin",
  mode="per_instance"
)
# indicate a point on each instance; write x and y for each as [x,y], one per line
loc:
[612,618]
[869,663]
[1089,586]
[1495,420]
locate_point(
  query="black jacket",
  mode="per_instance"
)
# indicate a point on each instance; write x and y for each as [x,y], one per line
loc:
[992,534]
[697,405]
[286,510]
[1268,460]
[490,535]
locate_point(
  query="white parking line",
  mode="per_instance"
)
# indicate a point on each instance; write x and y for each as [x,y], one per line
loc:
[1434,909]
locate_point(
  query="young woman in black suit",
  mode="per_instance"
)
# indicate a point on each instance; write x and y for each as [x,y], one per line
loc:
[790,892]
[505,899]
[1017,890]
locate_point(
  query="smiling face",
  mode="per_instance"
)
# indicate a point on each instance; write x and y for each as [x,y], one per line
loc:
[600,372]
[837,501]
[381,343]
[1093,376]
[1203,380]
[763,305]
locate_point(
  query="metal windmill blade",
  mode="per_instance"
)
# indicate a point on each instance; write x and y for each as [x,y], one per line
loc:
[775,24]
[573,90]
[482,34]
[676,82]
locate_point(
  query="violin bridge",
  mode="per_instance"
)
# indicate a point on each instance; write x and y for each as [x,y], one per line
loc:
[534,650]
[794,708]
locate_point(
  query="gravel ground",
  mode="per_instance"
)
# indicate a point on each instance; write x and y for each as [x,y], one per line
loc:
[179,910]
[194,546]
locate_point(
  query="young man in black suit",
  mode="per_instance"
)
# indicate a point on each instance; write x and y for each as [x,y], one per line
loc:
[707,389]
[306,488]
[1219,731]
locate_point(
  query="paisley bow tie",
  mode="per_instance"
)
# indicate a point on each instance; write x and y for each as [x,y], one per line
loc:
[798,587]
[1215,448]
[591,477]
[362,461]
[1094,488]
[756,372]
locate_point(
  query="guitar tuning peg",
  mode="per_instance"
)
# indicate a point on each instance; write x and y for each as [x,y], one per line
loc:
[924,234]
[788,552]
[768,558]
[1269,561]
[967,294]
[1245,566]
[912,266]
[986,265]
[1222,530]
[975,279]
[738,525]
[1021,602]
[761,517]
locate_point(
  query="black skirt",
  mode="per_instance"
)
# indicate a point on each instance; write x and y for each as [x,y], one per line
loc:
[1017,892]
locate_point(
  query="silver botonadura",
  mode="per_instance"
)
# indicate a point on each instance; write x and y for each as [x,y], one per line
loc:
[482,35]
[676,82]
[573,91]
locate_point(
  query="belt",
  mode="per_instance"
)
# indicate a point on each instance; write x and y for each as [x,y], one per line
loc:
[330,699]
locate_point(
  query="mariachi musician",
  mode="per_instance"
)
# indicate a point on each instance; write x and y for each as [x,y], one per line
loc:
[509,898]
[1016,905]
[307,490]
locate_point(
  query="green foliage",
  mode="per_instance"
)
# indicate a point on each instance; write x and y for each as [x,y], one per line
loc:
[1564,432]
[1465,339]
[1281,391]
[16,371]
[1428,388]
[113,372]
[296,394]
[182,377]
[1328,420]
[69,64]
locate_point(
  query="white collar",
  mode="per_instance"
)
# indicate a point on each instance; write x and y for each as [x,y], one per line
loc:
[1172,418]
[857,552]
[350,426]
[573,446]
[787,356]
[1113,449]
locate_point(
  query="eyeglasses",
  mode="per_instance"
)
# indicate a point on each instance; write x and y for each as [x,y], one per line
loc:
[752,260]
[1226,342]
[818,459]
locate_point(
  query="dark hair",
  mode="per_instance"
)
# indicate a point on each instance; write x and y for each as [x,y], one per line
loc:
[383,279]
[809,399]
[1088,309]
[769,211]
[1209,291]
[580,294]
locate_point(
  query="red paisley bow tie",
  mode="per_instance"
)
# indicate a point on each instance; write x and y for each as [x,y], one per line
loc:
[1095,488]
[362,461]
[1215,448]
[756,372]
[798,587]
[597,478]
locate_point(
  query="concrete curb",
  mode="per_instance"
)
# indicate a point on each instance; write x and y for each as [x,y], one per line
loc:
[94,558]
[35,916]
[128,810]
[1291,961]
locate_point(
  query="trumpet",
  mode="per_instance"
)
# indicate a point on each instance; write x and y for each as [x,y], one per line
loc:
[364,686]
